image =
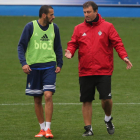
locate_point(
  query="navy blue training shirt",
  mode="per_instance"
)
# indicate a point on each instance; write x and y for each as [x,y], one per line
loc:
[23,43]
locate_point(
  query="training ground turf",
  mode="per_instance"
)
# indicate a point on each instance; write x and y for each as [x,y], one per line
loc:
[17,116]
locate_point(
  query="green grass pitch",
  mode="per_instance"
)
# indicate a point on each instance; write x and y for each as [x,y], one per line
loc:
[17,116]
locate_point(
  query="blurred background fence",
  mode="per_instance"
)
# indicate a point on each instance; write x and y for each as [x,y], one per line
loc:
[70,8]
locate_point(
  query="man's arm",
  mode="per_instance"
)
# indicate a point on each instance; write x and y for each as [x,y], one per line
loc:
[72,45]
[117,43]
[58,49]
[22,46]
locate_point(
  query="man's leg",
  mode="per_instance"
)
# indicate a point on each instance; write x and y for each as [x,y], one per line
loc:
[48,112]
[48,105]
[107,106]
[39,109]
[40,115]
[87,112]
[104,88]
[87,115]
[87,91]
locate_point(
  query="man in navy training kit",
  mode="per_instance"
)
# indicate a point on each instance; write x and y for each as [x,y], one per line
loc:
[40,53]
[95,38]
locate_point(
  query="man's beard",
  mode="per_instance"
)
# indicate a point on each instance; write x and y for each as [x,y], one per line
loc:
[46,21]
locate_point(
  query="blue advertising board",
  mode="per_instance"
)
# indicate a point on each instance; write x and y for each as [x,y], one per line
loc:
[107,8]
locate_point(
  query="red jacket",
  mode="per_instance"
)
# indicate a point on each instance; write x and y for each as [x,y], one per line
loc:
[95,43]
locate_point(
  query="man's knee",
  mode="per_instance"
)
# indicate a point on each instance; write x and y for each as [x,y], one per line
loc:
[48,95]
[107,102]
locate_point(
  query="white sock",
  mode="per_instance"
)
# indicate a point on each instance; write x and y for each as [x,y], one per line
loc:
[107,118]
[42,125]
[91,128]
[48,125]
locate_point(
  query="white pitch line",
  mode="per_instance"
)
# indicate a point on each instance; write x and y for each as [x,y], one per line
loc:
[68,104]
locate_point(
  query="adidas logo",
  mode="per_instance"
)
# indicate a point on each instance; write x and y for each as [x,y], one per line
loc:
[44,38]
[109,94]
[84,34]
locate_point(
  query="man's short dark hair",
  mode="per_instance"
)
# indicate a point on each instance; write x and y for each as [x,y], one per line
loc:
[92,4]
[44,9]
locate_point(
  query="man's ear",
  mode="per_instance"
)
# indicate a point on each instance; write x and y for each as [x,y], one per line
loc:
[44,15]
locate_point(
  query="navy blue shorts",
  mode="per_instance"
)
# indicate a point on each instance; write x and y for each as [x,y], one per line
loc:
[39,81]
[88,85]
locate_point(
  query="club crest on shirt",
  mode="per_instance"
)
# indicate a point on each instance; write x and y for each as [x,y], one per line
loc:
[29,85]
[99,33]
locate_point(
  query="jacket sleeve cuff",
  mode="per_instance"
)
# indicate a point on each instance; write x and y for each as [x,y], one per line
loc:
[23,63]
[60,65]
[127,57]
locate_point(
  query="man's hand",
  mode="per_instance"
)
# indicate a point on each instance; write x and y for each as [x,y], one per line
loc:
[58,69]
[129,64]
[68,54]
[26,69]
